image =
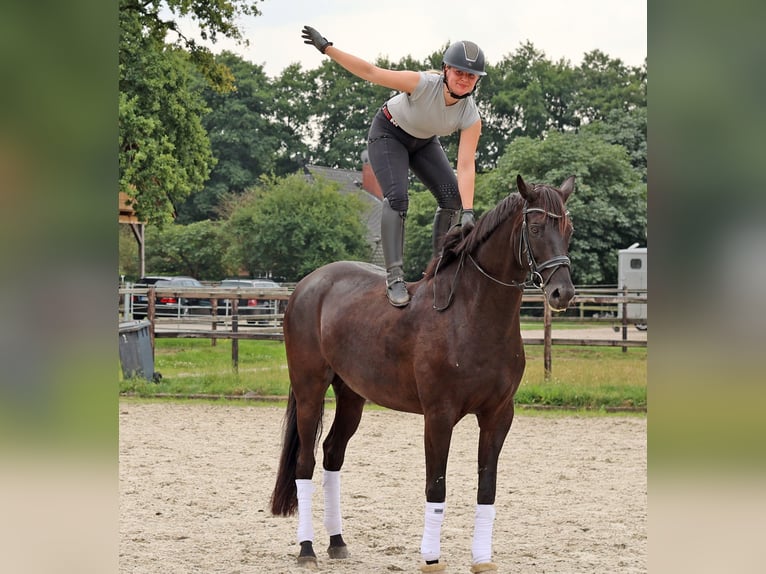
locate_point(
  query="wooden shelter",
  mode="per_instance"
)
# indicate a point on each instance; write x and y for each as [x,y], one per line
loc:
[128,216]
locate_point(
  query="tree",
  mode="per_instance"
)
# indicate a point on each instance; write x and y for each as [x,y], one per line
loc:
[529,95]
[287,227]
[197,249]
[213,18]
[292,111]
[343,107]
[608,207]
[247,137]
[164,152]
[627,129]
[606,84]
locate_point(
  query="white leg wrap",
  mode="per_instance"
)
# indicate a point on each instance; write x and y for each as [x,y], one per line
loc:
[305,528]
[331,486]
[430,547]
[481,548]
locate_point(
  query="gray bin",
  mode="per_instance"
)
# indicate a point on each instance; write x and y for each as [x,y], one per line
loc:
[136,354]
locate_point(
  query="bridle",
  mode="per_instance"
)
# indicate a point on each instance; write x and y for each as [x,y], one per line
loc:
[534,267]
[535,277]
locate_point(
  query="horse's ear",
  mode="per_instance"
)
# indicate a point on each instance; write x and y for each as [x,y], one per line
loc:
[526,191]
[567,187]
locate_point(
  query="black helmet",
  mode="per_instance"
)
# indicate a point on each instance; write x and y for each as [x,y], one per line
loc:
[465,56]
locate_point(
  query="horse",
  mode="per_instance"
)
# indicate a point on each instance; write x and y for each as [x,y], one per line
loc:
[455,349]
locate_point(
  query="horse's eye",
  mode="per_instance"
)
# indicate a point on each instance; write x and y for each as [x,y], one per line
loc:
[534,229]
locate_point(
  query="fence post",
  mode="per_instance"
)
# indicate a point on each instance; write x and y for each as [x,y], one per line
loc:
[624,317]
[547,338]
[235,340]
[214,313]
[150,313]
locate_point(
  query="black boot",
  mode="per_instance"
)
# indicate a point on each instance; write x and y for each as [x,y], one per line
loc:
[392,239]
[444,220]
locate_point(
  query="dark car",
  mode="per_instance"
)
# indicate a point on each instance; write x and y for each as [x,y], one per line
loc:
[140,300]
[250,306]
[170,305]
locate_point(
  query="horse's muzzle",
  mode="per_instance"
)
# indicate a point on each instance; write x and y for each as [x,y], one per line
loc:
[559,296]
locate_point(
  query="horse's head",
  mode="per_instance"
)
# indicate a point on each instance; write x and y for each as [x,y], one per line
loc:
[545,235]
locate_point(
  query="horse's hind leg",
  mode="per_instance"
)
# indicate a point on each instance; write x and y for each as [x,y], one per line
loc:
[309,411]
[348,413]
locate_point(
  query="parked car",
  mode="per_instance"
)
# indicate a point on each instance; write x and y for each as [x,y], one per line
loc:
[249,306]
[168,305]
[140,302]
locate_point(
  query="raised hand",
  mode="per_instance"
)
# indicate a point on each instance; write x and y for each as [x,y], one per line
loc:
[312,36]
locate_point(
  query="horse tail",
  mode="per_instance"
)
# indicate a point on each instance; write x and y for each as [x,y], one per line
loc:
[284,499]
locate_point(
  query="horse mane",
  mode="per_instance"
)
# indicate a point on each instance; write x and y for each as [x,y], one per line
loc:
[460,240]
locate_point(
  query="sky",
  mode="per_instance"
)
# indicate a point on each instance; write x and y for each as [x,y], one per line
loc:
[561,29]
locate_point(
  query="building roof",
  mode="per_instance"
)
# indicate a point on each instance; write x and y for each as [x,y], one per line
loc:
[350,182]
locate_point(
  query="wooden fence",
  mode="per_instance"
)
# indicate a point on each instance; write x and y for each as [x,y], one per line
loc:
[221,319]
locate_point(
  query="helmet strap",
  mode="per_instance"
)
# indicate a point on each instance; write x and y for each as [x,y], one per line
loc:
[451,93]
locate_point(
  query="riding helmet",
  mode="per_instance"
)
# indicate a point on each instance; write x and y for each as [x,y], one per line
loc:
[465,56]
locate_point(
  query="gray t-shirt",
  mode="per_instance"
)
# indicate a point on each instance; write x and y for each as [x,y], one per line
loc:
[423,113]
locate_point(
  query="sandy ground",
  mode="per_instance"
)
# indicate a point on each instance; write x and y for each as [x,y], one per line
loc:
[195,483]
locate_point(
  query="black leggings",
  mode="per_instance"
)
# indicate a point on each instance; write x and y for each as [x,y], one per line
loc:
[392,151]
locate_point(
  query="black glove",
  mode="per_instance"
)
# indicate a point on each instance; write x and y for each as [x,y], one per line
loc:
[467,218]
[311,36]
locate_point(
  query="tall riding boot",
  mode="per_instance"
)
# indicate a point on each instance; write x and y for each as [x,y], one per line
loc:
[444,220]
[392,239]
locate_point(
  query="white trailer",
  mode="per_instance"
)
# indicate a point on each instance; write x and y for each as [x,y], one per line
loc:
[631,276]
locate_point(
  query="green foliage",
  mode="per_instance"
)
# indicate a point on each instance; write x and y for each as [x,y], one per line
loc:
[196,250]
[288,227]
[627,129]
[164,150]
[343,106]
[247,135]
[128,255]
[214,17]
[608,207]
[605,85]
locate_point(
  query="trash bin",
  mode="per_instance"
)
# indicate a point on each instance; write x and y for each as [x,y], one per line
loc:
[136,354]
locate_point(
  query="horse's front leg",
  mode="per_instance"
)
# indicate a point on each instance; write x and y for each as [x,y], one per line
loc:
[493,431]
[437,437]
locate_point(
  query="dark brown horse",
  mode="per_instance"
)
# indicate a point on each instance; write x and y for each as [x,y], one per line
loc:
[456,349]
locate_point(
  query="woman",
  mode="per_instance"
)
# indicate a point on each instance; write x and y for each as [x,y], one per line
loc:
[405,135]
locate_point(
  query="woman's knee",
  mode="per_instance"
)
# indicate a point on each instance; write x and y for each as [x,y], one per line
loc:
[398,202]
[447,196]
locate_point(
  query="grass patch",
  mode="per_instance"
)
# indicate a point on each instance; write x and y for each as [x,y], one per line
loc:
[593,378]
[585,377]
[194,366]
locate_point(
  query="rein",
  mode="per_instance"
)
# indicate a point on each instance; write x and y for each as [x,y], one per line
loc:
[534,279]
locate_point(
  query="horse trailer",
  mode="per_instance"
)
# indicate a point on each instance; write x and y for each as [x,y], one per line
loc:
[631,277]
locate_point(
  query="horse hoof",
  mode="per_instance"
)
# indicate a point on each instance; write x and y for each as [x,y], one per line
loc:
[338,552]
[308,562]
[438,567]
[484,567]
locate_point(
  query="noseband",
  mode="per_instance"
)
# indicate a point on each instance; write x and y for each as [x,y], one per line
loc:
[535,278]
